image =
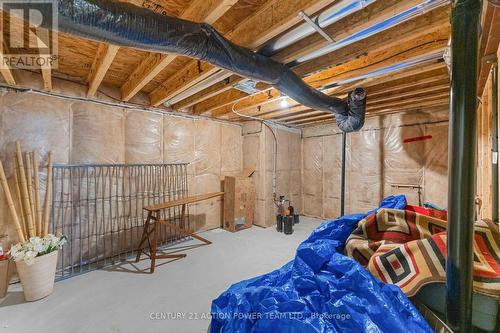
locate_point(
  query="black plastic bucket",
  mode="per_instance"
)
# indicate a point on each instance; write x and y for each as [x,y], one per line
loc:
[279,223]
[288,225]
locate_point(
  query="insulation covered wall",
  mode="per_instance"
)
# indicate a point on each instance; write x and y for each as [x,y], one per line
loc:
[378,162]
[259,147]
[83,132]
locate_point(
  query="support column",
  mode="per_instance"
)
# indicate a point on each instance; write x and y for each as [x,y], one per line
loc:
[342,179]
[462,162]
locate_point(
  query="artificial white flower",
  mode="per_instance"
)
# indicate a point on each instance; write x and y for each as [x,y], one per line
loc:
[36,247]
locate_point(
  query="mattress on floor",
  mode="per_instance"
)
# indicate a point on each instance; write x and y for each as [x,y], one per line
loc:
[320,290]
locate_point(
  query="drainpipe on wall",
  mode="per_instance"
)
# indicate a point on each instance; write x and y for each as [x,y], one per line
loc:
[465,20]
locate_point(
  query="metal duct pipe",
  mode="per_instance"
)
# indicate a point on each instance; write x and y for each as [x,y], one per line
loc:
[130,26]
[465,20]
[326,18]
[375,29]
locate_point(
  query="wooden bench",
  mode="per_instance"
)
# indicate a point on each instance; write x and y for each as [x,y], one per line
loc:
[154,219]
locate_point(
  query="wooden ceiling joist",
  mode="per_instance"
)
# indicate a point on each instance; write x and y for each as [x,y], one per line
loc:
[207,11]
[103,59]
[6,72]
[432,102]
[45,68]
[275,17]
[365,18]
[421,76]
[434,20]
[356,67]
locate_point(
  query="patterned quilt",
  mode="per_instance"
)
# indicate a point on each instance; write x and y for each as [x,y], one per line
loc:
[408,249]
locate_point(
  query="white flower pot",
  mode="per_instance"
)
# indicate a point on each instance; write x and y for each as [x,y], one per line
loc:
[37,279]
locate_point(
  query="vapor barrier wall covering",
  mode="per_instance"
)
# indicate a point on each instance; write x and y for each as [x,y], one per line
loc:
[131,26]
[82,132]
[377,159]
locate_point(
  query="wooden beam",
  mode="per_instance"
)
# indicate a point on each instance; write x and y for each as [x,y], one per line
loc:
[199,11]
[428,107]
[300,113]
[436,100]
[489,42]
[6,71]
[103,59]
[212,91]
[422,76]
[409,35]
[365,18]
[273,18]
[356,67]
[421,25]
[410,87]
[46,67]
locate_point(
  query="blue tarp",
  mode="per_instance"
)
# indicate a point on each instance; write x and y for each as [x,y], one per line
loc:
[321,290]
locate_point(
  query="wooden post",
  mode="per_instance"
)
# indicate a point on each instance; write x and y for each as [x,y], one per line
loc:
[29,180]
[48,195]
[18,195]
[38,207]
[10,204]
[24,191]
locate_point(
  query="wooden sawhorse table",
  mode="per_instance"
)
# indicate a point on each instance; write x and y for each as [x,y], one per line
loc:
[154,219]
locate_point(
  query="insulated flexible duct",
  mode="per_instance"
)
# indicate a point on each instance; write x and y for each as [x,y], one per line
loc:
[130,26]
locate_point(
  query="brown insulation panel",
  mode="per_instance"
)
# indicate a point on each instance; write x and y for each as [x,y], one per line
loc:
[377,159]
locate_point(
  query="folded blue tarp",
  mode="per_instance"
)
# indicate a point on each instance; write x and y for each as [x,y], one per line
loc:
[321,290]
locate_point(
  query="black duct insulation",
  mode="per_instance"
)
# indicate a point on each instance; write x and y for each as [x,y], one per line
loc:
[130,26]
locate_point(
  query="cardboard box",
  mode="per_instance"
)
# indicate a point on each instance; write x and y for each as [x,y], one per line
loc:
[239,202]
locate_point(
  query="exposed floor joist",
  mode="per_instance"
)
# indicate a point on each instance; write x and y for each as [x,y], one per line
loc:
[103,59]
[6,72]
[360,66]
[251,33]
[198,11]
[436,20]
[354,23]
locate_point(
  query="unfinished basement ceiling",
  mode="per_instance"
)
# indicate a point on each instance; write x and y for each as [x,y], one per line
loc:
[392,48]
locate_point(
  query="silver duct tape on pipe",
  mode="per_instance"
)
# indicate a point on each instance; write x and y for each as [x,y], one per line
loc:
[375,29]
[130,26]
[326,18]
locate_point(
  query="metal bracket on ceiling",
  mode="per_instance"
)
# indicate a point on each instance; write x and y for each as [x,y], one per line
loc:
[315,25]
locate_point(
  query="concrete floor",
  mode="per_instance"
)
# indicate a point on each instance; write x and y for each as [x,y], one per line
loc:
[125,299]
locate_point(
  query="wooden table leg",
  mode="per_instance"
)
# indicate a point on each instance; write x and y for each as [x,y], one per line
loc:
[154,245]
[145,235]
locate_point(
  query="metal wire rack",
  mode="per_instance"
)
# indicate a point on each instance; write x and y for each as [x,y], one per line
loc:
[98,208]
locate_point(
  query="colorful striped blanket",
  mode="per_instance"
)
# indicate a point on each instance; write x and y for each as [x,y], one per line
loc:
[408,249]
